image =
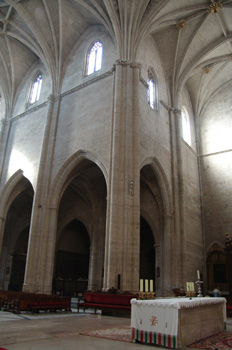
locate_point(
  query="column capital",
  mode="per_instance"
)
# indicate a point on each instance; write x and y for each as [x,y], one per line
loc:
[4,121]
[177,112]
[129,63]
[171,109]
[54,98]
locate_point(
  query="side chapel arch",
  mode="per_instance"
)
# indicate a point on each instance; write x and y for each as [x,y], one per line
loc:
[155,209]
[16,206]
[80,201]
[217,268]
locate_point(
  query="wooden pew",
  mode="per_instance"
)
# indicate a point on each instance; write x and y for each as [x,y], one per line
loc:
[32,302]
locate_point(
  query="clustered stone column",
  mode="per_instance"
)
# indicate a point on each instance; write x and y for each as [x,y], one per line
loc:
[123,213]
[178,241]
[41,247]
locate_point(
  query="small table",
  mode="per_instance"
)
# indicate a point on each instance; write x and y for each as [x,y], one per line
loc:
[176,322]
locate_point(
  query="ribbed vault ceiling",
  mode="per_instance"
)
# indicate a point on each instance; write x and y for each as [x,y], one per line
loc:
[194,38]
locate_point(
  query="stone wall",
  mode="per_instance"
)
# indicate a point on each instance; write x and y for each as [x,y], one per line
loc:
[106,116]
[216,161]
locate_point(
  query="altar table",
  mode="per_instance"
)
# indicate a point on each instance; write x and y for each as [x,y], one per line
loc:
[176,322]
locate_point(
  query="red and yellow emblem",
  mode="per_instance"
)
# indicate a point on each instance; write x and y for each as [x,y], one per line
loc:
[154,321]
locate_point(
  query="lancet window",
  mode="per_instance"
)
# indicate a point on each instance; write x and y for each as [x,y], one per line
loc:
[94,59]
[152,92]
[36,89]
[186,128]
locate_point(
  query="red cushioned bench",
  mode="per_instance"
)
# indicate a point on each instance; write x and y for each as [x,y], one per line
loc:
[22,301]
[228,306]
[106,301]
[229,310]
[41,302]
[51,306]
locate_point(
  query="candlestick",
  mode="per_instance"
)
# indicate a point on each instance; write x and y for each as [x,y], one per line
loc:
[199,291]
[146,285]
[151,285]
[141,286]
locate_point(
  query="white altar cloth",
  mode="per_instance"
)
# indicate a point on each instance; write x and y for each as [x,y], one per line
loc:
[156,321]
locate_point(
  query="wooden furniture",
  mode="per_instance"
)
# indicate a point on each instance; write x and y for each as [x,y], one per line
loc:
[229,306]
[176,322]
[69,287]
[31,302]
[43,302]
[106,301]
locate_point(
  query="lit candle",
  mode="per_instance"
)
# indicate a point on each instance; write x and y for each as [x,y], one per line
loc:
[141,286]
[151,285]
[146,285]
[198,274]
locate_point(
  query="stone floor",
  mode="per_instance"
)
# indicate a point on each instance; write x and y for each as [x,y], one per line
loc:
[61,331]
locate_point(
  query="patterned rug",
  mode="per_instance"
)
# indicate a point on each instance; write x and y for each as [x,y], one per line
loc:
[117,333]
[220,341]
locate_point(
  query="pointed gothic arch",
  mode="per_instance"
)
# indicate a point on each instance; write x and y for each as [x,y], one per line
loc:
[78,194]
[68,170]
[155,226]
[17,198]
[217,268]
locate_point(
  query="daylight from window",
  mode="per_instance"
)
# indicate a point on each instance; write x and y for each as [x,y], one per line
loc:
[186,125]
[36,88]
[151,93]
[95,58]
[19,161]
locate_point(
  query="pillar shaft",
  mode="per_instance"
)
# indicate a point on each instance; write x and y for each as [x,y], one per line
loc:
[123,212]
[40,255]
[178,239]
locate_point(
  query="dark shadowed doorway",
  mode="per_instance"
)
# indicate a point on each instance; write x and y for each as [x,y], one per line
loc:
[147,251]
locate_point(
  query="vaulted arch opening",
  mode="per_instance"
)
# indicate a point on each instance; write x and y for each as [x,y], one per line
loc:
[147,251]
[16,234]
[72,258]
[80,243]
[151,228]
[217,269]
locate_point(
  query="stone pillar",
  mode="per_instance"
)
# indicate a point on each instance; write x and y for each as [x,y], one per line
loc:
[2,225]
[228,251]
[178,239]
[123,206]
[4,133]
[48,246]
[42,235]
[96,261]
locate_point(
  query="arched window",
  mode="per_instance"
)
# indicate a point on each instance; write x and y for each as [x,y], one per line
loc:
[152,89]
[36,88]
[94,61]
[186,130]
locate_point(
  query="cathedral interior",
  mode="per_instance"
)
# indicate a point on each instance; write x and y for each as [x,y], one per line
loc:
[115,145]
